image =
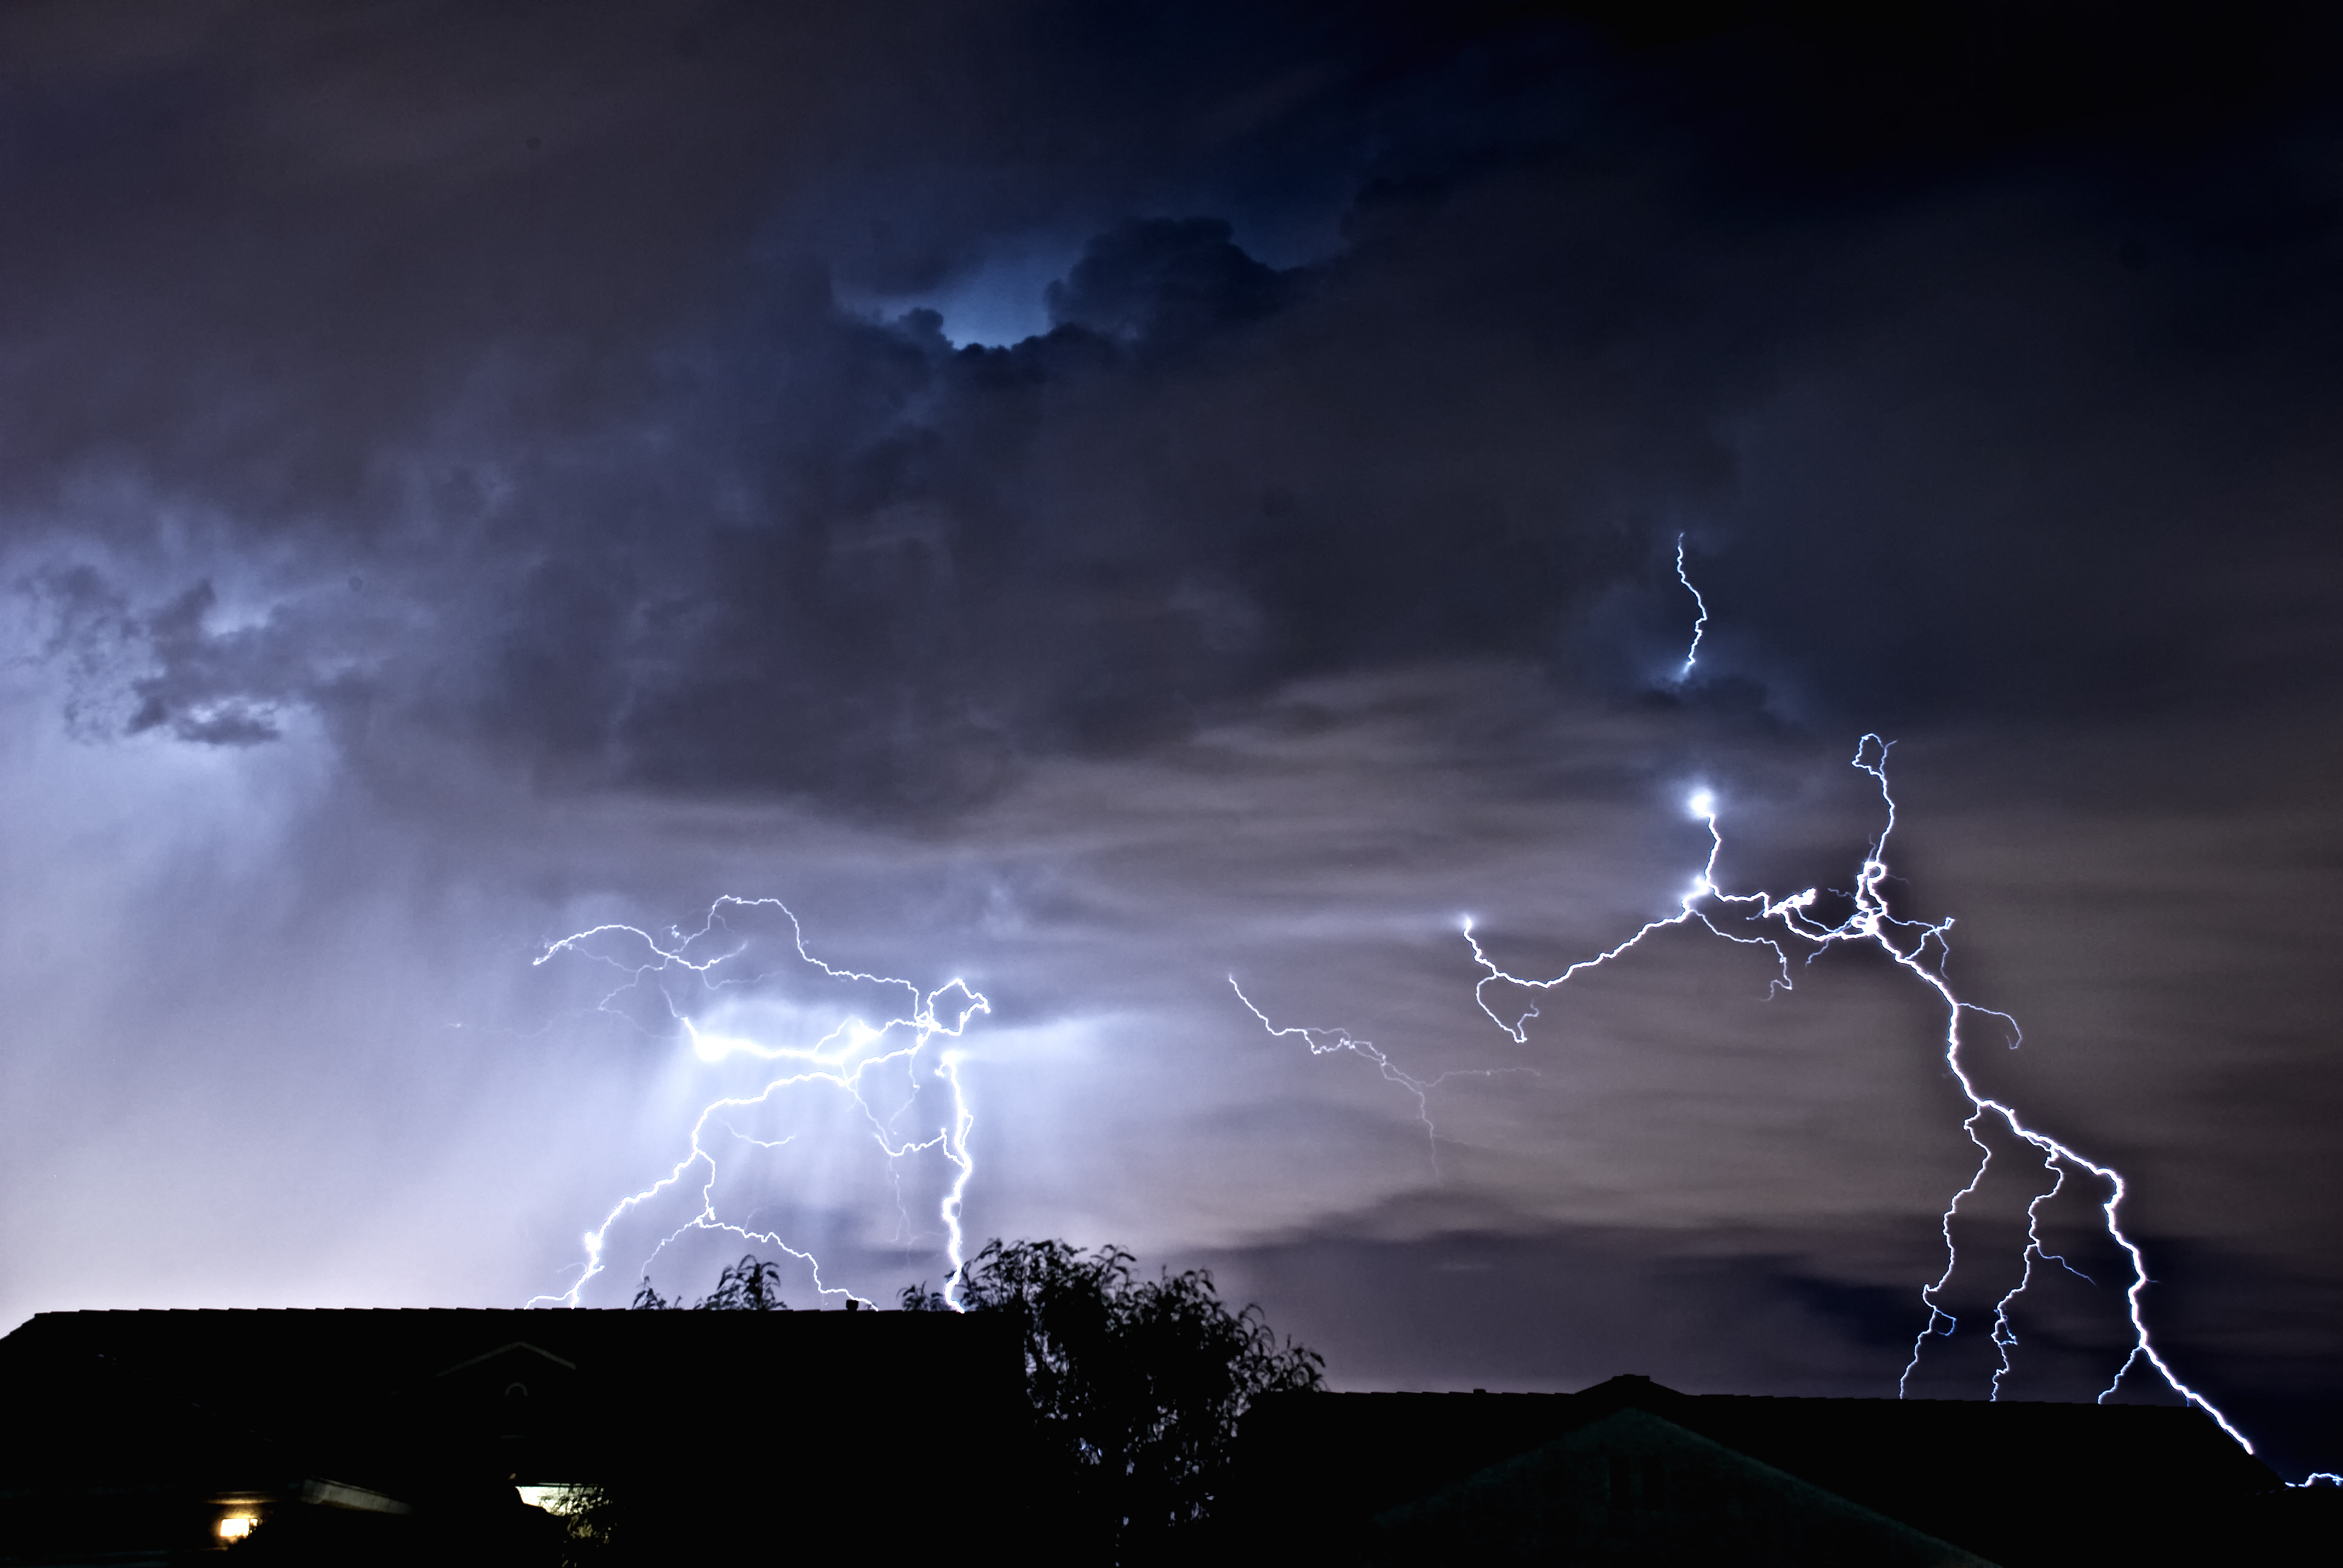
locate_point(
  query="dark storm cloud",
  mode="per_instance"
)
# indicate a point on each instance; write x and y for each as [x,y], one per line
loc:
[529,321]
[131,669]
[474,472]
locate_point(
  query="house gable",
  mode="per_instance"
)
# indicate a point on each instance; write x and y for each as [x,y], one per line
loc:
[1635,1488]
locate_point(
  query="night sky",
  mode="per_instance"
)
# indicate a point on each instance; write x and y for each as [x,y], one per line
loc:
[1097,499]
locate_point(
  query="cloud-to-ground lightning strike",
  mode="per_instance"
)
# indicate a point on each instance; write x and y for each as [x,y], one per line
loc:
[844,1059]
[1920,947]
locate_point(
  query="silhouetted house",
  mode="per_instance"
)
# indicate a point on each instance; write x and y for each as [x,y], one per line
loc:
[356,1437]
[1630,1473]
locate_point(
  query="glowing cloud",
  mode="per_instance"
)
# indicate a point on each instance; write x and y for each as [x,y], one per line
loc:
[847,1059]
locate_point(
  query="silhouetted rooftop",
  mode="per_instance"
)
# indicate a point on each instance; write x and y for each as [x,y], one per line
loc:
[140,1426]
[2018,1482]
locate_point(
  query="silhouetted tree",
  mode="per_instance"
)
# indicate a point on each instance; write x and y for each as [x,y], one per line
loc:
[594,1517]
[747,1286]
[1138,1384]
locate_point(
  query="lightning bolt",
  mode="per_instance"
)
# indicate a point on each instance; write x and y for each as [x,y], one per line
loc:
[1700,625]
[847,1059]
[1920,947]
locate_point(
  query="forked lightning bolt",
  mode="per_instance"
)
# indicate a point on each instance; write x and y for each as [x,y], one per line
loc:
[843,1059]
[1920,948]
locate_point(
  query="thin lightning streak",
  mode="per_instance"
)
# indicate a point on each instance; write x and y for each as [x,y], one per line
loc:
[1336,1039]
[2005,1336]
[842,1060]
[1692,654]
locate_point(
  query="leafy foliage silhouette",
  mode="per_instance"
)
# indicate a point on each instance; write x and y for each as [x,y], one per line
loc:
[1138,1384]
[747,1286]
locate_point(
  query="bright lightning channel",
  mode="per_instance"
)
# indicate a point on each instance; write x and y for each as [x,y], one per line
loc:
[1921,949]
[843,1059]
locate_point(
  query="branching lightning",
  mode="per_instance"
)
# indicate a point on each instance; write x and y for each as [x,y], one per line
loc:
[845,1060]
[1920,947]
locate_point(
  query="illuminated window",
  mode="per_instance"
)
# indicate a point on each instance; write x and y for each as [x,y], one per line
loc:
[235,1527]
